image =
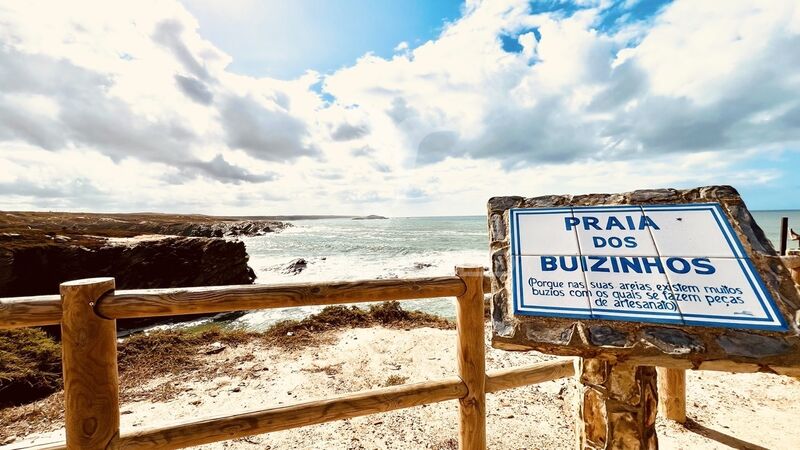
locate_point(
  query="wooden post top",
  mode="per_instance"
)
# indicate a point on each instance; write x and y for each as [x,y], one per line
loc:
[87,282]
[92,289]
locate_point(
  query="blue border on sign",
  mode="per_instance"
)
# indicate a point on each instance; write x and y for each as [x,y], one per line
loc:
[762,294]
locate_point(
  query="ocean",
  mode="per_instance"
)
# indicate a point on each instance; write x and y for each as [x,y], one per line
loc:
[345,249]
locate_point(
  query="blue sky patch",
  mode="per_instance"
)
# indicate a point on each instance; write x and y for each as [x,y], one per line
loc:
[510,41]
[620,13]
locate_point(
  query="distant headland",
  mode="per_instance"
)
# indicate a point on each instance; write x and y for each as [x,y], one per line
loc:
[370,217]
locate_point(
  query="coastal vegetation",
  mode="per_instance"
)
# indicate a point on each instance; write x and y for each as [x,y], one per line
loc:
[26,224]
[30,365]
[30,359]
[40,250]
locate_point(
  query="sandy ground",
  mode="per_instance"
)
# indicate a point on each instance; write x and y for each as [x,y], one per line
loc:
[745,411]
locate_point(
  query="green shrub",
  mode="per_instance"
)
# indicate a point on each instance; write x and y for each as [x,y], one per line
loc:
[30,366]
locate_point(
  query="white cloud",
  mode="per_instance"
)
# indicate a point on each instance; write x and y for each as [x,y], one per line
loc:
[126,106]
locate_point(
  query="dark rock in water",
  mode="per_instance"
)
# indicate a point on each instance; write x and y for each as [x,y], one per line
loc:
[296,266]
[224,228]
[420,266]
[251,273]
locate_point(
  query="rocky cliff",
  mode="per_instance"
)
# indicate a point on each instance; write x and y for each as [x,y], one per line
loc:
[40,250]
[128,225]
[34,267]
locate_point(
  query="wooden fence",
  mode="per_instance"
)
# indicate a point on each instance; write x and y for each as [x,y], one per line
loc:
[87,311]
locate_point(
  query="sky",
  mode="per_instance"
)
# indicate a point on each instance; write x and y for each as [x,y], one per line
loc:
[397,108]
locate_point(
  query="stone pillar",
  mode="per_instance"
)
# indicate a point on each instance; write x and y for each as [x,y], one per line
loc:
[618,406]
[792,261]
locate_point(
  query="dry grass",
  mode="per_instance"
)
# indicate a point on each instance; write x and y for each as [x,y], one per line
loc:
[30,365]
[395,380]
[449,444]
[162,355]
[30,360]
[292,334]
[145,356]
[42,415]
[330,370]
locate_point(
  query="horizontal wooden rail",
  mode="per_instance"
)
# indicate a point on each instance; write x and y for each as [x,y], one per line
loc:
[84,304]
[514,377]
[45,446]
[718,365]
[173,302]
[18,312]
[283,418]
[215,429]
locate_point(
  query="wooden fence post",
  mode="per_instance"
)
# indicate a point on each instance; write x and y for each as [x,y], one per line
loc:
[672,393]
[89,358]
[471,359]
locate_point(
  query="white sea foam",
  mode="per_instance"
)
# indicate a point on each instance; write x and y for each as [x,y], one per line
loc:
[342,249]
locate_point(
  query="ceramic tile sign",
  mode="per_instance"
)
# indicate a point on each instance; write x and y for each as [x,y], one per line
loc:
[679,264]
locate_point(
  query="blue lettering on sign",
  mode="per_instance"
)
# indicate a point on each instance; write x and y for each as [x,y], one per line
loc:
[627,264]
[611,223]
[563,284]
[614,242]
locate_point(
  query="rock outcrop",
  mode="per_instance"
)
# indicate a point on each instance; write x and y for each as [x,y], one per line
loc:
[129,225]
[39,251]
[35,268]
[295,266]
[792,262]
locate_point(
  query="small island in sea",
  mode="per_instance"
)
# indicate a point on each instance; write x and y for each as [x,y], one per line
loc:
[370,217]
